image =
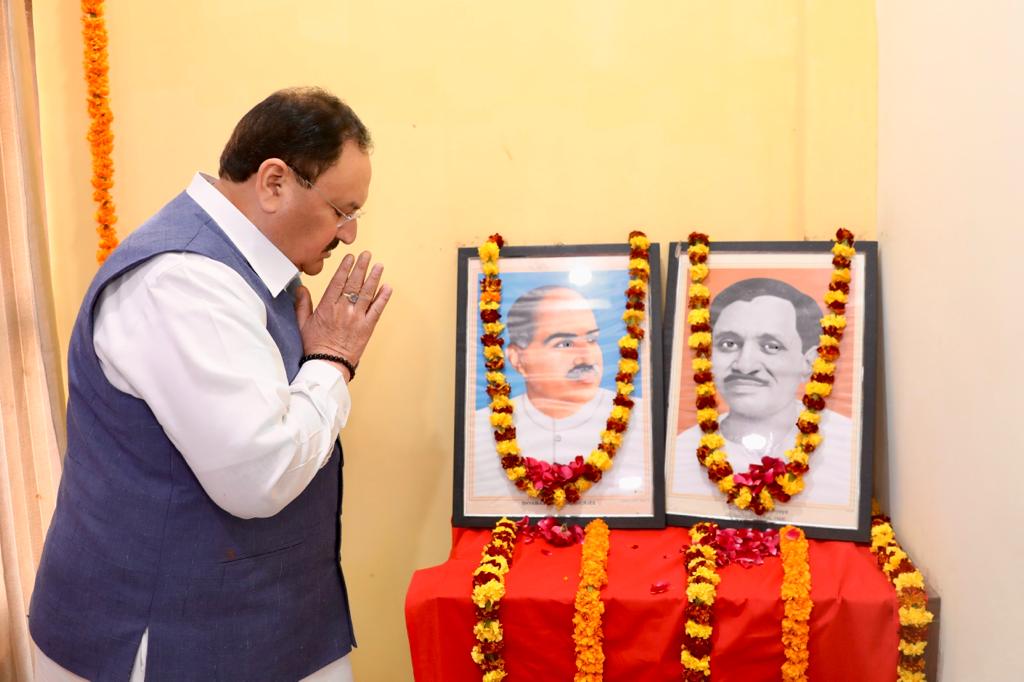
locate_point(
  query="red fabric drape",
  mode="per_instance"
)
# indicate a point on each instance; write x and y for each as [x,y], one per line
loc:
[853,625]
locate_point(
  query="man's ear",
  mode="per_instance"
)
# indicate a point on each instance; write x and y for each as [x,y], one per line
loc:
[515,358]
[273,185]
[810,355]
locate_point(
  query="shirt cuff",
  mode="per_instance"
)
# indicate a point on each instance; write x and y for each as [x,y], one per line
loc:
[321,375]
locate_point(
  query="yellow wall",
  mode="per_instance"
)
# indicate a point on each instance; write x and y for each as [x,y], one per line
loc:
[951,232]
[570,121]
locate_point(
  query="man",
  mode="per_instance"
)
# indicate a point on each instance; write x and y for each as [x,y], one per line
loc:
[554,346]
[196,533]
[765,338]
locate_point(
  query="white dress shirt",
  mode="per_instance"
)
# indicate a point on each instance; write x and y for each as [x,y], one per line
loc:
[560,440]
[828,482]
[188,335]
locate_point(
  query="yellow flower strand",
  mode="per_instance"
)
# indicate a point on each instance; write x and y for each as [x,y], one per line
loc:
[587,632]
[701,581]
[488,591]
[914,617]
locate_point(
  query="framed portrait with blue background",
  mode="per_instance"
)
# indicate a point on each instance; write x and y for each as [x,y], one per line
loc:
[562,309]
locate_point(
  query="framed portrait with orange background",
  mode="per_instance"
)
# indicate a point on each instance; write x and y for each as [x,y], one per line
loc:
[766,306]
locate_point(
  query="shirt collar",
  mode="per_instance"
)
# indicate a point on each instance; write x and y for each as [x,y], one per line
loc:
[270,265]
[580,417]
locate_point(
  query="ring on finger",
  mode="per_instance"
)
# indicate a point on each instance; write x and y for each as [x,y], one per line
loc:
[353,297]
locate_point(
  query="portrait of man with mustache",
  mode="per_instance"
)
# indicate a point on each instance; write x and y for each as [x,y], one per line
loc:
[554,345]
[764,342]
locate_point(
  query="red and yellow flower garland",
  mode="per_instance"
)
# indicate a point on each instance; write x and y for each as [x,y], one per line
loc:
[797,604]
[488,591]
[539,479]
[101,140]
[772,480]
[913,600]
[587,632]
[702,577]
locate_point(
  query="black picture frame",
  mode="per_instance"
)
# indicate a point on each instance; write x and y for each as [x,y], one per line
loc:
[467,511]
[821,520]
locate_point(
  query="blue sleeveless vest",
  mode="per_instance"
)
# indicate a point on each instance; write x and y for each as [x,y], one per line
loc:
[136,543]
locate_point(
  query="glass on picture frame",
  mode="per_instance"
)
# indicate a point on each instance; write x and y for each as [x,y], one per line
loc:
[766,305]
[562,307]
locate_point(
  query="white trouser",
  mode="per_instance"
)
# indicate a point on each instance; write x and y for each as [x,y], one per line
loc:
[48,671]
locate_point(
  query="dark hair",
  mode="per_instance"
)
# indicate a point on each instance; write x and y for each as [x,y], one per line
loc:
[304,127]
[808,312]
[522,314]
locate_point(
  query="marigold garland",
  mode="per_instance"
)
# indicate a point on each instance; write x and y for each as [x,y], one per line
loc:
[101,140]
[561,483]
[488,591]
[913,600]
[796,599]
[702,577]
[587,633]
[773,479]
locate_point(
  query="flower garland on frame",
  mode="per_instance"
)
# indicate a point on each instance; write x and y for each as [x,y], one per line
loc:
[797,604]
[702,577]
[488,591]
[101,140]
[558,484]
[773,479]
[587,633]
[913,600]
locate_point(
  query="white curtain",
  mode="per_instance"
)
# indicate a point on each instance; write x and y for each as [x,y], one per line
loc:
[32,429]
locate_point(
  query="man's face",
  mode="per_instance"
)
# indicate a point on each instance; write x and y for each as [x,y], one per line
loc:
[759,364]
[563,360]
[313,232]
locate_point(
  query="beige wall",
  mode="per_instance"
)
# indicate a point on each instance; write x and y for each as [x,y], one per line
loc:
[951,228]
[568,121]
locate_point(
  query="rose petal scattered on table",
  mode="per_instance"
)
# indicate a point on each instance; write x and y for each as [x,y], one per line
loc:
[660,586]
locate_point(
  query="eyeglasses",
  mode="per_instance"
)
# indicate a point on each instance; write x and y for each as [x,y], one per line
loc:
[343,218]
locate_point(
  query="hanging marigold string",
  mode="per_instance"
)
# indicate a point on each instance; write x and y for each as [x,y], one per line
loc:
[101,140]
[913,599]
[773,479]
[558,484]
[488,591]
[702,577]
[587,633]
[797,604]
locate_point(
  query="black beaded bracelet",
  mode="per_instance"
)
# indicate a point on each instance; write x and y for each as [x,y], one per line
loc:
[332,358]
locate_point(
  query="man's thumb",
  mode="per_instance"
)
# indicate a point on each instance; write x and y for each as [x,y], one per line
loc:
[303,305]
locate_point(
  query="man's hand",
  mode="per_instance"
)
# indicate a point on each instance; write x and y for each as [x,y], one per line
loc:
[340,326]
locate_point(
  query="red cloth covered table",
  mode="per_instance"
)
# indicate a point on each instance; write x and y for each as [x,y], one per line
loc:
[853,624]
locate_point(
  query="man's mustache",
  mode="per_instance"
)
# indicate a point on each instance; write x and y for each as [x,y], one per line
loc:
[577,371]
[746,378]
[333,245]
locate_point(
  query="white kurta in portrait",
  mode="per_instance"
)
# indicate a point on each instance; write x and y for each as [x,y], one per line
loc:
[560,440]
[828,481]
